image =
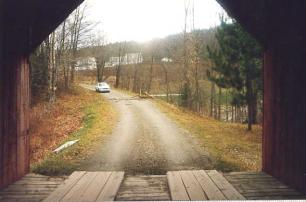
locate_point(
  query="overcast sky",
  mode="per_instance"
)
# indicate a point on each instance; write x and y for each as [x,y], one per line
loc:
[142,20]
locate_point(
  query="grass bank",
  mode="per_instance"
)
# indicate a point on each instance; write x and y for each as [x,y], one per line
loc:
[82,115]
[232,147]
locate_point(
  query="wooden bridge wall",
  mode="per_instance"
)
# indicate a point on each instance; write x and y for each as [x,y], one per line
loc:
[24,24]
[14,95]
[279,26]
[284,140]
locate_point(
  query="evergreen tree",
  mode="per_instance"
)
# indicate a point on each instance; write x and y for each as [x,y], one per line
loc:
[237,65]
[39,72]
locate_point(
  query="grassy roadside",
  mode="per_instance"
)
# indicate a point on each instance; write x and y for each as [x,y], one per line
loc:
[95,119]
[232,147]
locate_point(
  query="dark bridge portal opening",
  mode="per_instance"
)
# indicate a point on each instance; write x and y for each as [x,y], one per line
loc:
[277,25]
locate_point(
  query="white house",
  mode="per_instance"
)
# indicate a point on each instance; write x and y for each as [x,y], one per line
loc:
[166,59]
[86,63]
[127,59]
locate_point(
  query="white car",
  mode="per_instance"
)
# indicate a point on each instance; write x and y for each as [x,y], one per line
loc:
[103,87]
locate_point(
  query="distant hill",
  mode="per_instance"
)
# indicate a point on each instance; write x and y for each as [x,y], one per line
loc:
[168,47]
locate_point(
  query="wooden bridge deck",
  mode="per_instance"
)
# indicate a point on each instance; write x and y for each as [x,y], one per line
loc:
[176,185]
[260,186]
[31,188]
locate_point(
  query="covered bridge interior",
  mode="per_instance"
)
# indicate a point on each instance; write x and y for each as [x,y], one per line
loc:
[277,25]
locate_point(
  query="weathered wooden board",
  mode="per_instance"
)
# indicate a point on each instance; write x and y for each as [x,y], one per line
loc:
[29,189]
[88,186]
[201,185]
[93,190]
[261,186]
[227,189]
[181,185]
[76,192]
[140,187]
[64,188]
[177,187]
[211,190]
[192,186]
[111,188]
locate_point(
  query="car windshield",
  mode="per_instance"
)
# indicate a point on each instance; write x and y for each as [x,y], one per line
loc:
[102,84]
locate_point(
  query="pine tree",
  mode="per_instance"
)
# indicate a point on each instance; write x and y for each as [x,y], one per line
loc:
[237,66]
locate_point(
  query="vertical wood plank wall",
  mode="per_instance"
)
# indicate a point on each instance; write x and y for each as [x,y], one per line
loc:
[1,87]
[15,97]
[284,140]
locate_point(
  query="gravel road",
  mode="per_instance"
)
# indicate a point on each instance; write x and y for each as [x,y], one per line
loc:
[145,141]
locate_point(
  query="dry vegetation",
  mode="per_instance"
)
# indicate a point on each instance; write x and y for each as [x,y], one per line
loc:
[80,114]
[52,123]
[232,147]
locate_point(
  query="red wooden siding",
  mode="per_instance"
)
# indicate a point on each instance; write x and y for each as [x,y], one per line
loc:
[285,115]
[14,135]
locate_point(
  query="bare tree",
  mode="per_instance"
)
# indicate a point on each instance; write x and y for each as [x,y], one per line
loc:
[52,69]
[79,30]
[166,81]
[186,84]
[99,52]
[121,52]
[150,74]
[62,53]
[153,52]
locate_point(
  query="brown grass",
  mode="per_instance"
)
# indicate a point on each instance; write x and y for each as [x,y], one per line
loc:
[80,114]
[52,124]
[231,145]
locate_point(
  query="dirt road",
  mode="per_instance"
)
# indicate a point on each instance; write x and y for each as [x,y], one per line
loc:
[146,141]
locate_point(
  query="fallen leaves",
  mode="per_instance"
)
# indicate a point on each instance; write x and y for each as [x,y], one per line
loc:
[82,115]
[51,124]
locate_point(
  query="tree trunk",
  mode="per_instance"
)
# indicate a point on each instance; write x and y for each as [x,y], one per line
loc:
[219,104]
[151,75]
[167,85]
[100,71]
[197,88]
[51,68]
[135,86]
[72,73]
[249,101]
[118,72]
[254,107]
[232,114]
[226,104]
[212,99]
[66,77]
